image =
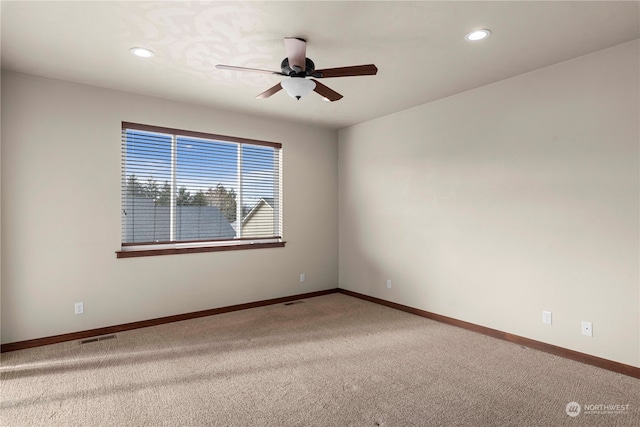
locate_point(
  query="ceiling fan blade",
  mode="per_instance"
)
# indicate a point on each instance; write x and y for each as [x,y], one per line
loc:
[296,52]
[253,70]
[356,70]
[326,92]
[267,93]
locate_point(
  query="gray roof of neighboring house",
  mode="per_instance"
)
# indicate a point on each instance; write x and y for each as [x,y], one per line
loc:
[145,222]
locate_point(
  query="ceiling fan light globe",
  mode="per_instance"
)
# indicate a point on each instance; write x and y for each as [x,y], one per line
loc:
[297,87]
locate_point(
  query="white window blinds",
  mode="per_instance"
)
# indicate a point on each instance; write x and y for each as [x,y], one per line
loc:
[184,187]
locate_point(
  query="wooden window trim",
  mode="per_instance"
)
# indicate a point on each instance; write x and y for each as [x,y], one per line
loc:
[204,135]
[199,249]
[241,239]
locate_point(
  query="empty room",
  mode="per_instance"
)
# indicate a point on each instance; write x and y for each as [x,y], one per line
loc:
[322,213]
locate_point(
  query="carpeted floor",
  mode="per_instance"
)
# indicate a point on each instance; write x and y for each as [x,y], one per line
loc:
[327,361]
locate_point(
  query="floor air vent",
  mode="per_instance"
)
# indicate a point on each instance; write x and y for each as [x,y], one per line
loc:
[90,340]
[293,302]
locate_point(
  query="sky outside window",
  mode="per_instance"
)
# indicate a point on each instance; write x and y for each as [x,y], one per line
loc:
[201,165]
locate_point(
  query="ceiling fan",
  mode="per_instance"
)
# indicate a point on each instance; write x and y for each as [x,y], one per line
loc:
[298,67]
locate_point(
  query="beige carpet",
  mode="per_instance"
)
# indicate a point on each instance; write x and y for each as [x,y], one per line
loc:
[328,361]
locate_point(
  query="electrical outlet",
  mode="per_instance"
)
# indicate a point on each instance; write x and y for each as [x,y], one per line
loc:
[79,307]
[302,277]
[587,329]
[546,317]
[389,283]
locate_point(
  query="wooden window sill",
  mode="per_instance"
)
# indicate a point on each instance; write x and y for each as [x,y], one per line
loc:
[197,249]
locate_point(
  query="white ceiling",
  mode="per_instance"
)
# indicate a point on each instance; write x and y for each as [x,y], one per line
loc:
[418,47]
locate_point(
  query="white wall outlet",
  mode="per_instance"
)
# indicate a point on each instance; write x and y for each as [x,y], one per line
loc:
[79,307]
[587,329]
[546,317]
[389,283]
[302,277]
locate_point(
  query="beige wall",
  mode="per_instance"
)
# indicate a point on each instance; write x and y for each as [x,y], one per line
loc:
[495,204]
[61,213]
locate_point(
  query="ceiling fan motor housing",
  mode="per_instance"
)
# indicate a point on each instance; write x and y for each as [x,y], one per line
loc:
[310,67]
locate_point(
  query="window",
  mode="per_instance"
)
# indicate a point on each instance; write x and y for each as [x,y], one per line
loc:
[185,191]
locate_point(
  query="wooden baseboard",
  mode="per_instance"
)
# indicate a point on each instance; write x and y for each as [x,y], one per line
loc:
[20,345]
[610,365]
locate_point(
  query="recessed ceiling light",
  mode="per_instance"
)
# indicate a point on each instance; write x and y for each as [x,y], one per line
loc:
[476,35]
[141,52]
